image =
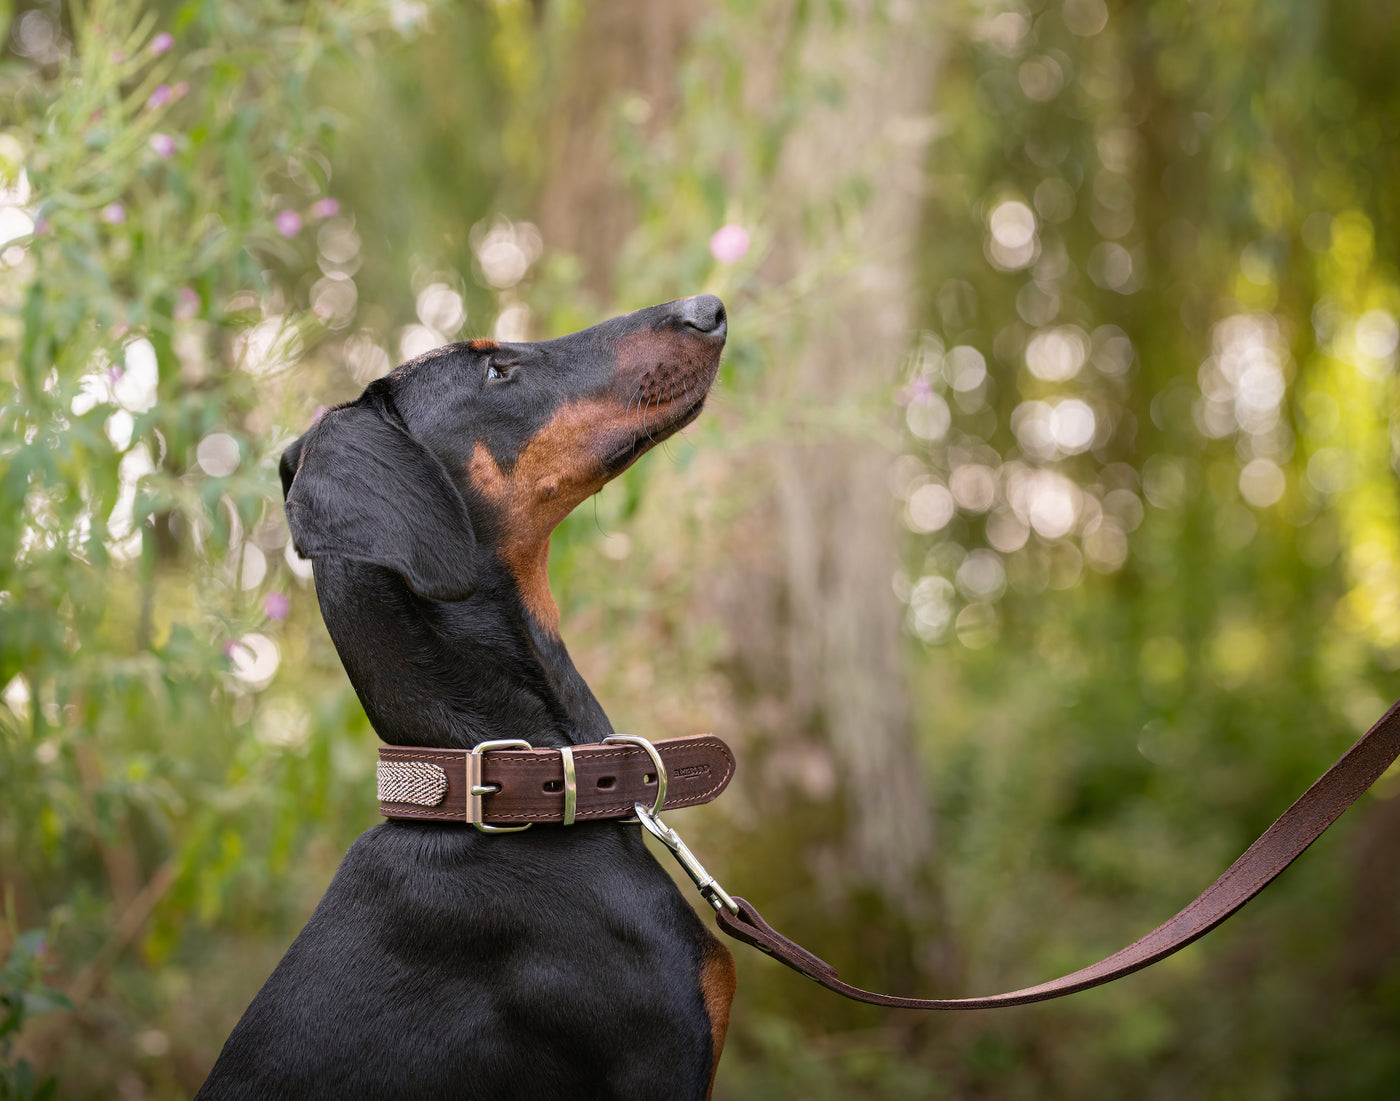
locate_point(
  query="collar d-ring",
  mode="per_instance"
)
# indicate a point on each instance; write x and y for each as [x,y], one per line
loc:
[657,763]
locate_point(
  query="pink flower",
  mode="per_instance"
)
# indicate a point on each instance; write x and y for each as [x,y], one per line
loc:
[319,412]
[182,89]
[917,392]
[276,605]
[729,243]
[114,214]
[41,226]
[325,208]
[230,648]
[161,42]
[118,57]
[160,97]
[186,303]
[163,144]
[288,223]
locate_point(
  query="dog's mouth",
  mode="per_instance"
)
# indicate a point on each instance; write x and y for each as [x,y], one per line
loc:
[650,434]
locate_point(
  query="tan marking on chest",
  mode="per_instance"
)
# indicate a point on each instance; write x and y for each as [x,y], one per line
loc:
[717,984]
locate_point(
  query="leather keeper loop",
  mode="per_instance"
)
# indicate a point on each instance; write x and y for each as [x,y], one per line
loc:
[566,758]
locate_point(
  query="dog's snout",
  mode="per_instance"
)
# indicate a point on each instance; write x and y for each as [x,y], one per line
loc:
[704,313]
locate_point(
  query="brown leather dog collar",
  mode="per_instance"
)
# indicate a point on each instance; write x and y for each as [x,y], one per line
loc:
[520,786]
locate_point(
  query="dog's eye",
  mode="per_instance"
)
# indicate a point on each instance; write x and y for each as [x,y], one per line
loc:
[492,371]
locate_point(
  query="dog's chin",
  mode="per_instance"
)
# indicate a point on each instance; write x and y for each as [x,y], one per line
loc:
[632,450]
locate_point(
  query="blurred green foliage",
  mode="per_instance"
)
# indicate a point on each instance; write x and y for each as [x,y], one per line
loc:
[147,356]
[1142,447]
[23,993]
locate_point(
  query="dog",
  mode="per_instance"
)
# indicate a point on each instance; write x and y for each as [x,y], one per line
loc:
[441,962]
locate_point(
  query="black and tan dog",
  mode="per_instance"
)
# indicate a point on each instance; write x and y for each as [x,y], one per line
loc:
[443,963]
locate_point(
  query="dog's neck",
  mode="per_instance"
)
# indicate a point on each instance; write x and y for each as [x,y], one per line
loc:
[454,674]
[540,617]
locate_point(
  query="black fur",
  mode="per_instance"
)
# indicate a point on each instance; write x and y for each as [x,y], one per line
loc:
[443,962]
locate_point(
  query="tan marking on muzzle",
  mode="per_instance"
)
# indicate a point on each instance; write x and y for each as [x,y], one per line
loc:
[667,367]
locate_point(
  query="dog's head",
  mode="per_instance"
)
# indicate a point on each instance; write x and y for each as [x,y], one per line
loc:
[494,444]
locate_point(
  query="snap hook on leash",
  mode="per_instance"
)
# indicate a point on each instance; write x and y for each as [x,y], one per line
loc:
[650,818]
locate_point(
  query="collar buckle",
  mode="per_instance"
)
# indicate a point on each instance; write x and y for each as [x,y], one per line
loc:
[476,789]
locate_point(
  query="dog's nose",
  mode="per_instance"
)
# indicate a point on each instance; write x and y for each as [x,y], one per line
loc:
[704,313]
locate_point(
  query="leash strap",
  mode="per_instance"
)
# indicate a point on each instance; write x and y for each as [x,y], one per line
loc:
[504,785]
[1282,843]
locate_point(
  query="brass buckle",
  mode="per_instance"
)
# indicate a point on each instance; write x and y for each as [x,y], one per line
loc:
[476,789]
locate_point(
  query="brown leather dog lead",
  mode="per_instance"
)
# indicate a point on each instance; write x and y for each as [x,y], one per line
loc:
[699,768]
[1282,843]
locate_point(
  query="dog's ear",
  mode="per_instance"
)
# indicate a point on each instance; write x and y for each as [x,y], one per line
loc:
[359,487]
[291,459]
